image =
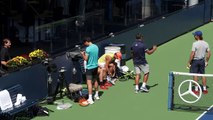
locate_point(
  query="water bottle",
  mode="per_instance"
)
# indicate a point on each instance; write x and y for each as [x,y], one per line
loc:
[85,65]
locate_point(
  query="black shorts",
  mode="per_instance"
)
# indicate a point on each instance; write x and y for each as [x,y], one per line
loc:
[92,74]
[198,66]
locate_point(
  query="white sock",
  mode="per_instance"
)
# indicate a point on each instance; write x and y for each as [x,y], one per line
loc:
[96,93]
[136,87]
[196,88]
[204,87]
[144,84]
[90,97]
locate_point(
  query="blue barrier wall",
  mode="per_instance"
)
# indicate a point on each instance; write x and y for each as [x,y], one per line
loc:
[162,30]
[32,79]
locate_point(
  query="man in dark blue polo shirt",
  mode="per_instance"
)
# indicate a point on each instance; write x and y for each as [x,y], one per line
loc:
[139,51]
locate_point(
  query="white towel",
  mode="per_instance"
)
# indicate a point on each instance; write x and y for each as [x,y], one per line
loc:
[5,100]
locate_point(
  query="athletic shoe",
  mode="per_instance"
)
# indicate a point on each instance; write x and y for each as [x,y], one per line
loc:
[144,89]
[108,78]
[112,82]
[90,101]
[205,91]
[103,87]
[196,92]
[96,97]
[136,91]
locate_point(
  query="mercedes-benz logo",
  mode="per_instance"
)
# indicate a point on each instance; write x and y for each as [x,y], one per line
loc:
[189,91]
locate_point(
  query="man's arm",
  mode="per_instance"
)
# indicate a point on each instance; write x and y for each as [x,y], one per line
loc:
[4,63]
[208,55]
[149,52]
[107,61]
[85,57]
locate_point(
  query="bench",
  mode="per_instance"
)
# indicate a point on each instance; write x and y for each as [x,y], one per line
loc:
[8,114]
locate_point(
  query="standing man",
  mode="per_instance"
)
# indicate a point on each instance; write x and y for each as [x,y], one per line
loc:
[198,59]
[139,50]
[5,56]
[91,56]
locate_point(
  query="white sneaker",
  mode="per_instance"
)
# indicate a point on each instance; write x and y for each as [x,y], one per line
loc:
[108,78]
[144,89]
[96,97]
[90,102]
[136,91]
[112,82]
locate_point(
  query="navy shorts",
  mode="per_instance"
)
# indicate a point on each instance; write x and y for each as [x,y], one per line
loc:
[92,74]
[198,66]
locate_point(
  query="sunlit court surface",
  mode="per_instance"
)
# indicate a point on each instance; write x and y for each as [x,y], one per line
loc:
[121,103]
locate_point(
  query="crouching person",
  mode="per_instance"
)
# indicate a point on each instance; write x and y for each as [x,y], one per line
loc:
[107,68]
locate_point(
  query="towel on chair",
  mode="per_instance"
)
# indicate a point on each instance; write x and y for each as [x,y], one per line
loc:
[5,100]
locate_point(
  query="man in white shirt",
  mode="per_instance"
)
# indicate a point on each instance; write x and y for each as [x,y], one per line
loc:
[199,58]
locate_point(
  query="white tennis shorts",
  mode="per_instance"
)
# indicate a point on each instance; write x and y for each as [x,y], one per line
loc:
[102,65]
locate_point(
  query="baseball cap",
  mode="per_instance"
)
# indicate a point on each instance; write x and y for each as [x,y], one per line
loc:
[119,55]
[197,33]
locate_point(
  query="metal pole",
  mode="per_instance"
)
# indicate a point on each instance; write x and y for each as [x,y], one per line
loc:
[51,37]
[125,14]
[67,32]
[211,9]
[204,11]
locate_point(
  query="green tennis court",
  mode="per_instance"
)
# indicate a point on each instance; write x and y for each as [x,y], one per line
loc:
[121,103]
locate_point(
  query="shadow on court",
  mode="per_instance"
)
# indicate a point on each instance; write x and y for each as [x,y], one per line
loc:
[148,86]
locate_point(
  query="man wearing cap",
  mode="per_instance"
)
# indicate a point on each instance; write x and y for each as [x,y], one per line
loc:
[198,59]
[139,50]
[107,67]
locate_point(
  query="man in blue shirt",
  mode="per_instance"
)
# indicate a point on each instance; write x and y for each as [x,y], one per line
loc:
[91,56]
[139,50]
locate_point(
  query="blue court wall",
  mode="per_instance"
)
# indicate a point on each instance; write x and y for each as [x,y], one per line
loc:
[32,79]
[162,29]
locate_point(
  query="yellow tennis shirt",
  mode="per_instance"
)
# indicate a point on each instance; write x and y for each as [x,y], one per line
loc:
[103,57]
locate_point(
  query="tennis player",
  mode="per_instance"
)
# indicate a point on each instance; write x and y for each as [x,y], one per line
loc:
[198,59]
[107,68]
[139,51]
[91,56]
